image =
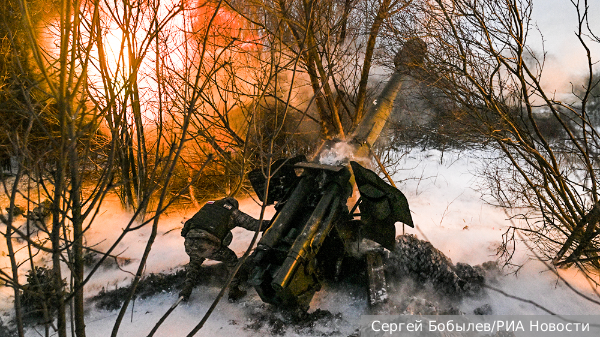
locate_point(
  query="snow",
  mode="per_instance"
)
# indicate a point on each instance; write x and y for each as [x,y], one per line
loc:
[446,208]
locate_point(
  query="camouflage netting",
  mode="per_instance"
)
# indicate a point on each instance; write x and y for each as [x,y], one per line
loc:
[420,261]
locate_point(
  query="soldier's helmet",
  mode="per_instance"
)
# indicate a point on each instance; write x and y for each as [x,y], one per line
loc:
[195,234]
[232,202]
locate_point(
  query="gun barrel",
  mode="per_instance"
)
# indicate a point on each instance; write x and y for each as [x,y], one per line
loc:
[321,235]
[301,247]
[372,124]
[284,218]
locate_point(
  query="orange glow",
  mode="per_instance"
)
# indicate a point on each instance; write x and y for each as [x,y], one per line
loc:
[231,39]
[228,27]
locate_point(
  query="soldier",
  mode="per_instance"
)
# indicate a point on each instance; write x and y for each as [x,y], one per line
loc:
[207,235]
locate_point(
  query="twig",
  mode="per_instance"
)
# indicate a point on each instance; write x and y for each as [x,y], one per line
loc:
[520,299]
[164,317]
[553,270]
[534,304]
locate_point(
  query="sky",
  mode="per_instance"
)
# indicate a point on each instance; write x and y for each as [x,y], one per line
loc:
[557,21]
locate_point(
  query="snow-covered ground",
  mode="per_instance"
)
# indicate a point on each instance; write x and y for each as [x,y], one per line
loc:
[446,209]
[450,213]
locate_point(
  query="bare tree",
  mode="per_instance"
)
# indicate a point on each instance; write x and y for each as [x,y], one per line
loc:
[336,42]
[93,93]
[482,60]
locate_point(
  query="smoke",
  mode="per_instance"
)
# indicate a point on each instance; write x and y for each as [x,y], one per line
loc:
[338,154]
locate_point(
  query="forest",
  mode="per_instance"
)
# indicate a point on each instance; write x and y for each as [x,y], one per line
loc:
[148,109]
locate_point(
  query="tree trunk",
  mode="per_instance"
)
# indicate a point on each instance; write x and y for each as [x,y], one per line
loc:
[590,222]
[364,77]
[15,272]
[77,221]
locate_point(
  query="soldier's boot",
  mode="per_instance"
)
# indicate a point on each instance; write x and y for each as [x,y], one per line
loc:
[236,293]
[186,291]
[191,276]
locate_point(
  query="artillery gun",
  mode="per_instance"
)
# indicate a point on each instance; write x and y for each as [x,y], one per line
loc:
[314,231]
